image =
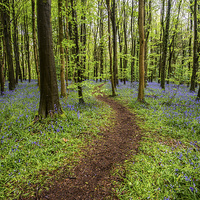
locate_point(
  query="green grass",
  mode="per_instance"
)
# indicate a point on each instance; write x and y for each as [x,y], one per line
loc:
[31,152]
[168,163]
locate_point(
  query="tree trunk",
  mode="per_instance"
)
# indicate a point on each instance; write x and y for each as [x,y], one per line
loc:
[110,49]
[16,46]
[147,31]
[7,35]
[165,42]
[190,45]
[172,44]
[22,54]
[120,50]
[62,58]
[49,99]
[2,80]
[80,93]
[101,42]
[67,51]
[142,51]
[195,47]
[83,37]
[27,46]
[161,37]
[115,61]
[35,43]
[125,45]
[133,43]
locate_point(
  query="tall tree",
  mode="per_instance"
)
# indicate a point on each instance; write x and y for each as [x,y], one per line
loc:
[133,44]
[49,99]
[66,50]
[35,43]
[101,33]
[148,19]
[1,60]
[195,48]
[165,42]
[22,53]
[110,48]
[172,44]
[83,36]
[125,43]
[62,57]
[7,36]
[27,44]
[79,67]
[16,46]
[142,51]
[115,61]
[190,39]
[162,13]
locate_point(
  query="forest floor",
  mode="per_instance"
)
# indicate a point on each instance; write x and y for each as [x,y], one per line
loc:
[92,178]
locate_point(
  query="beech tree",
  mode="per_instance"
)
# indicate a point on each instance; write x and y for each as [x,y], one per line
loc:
[79,67]
[16,46]
[110,48]
[1,60]
[62,57]
[165,42]
[49,99]
[142,51]
[7,36]
[195,48]
[35,42]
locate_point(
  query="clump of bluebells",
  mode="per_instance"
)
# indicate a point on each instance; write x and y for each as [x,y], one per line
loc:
[28,149]
[168,165]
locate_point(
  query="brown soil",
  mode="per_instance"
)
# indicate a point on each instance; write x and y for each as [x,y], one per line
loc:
[92,177]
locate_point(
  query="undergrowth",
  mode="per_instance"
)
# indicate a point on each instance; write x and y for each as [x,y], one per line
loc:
[168,163]
[30,151]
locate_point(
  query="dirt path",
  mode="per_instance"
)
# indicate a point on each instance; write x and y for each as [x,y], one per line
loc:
[92,179]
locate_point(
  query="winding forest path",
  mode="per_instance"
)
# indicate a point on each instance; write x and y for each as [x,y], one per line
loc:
[93,179]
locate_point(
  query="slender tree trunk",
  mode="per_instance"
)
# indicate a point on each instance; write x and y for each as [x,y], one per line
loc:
[195,47]
[27,46]
[115,61]
[67,37]
[101,42]
[172,44]
[2,80]
[133,43]
[161,37]
[142,51]
[35,43]
[110,49]
[120,60]
[16,46]
[49,99]
[125,44]
[22,53]
[83,37]
[80,93]
[7,35]
[190,44]
[147,31]
[62,58]
[165,42]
